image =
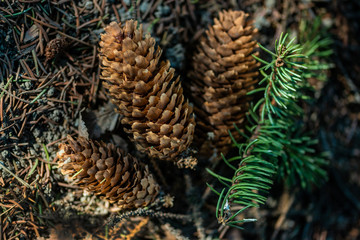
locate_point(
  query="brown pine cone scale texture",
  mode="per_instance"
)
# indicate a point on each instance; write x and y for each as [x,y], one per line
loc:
[223,72]
[55,47]
[155,113]
[103,169]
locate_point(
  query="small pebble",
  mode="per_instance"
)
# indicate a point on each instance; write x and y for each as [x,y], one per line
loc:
[127,2]
[89,5]
[4,154]
[143,7]
[26,85]
[50,92]
[162,11]
[36,132]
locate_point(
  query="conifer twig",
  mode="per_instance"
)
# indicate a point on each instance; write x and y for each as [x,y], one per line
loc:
[274,143]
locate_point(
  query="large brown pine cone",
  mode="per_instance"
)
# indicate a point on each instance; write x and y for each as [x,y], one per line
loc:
[152,102]
[223,72]
[104,169]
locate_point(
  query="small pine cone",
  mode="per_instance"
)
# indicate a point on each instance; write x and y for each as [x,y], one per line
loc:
[150,99]
[106,170]
[223,72]
[54,47]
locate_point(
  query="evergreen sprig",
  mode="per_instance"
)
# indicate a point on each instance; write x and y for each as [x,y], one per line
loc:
[316,44]
[274,143]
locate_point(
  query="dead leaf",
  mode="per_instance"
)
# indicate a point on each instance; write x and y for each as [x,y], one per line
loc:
[31,33]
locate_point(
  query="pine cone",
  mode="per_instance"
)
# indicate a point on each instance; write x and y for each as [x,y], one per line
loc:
[54,47]
[104,169]
[223,72]
[152,102]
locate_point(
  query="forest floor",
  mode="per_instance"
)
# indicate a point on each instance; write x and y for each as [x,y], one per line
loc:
[44,98]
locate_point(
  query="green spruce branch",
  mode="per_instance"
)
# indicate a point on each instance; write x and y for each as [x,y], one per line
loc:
[275,143]
[316,44]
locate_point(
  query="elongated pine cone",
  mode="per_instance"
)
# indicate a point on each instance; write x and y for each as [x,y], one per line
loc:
[106,170]
[223,72]
[150,99]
